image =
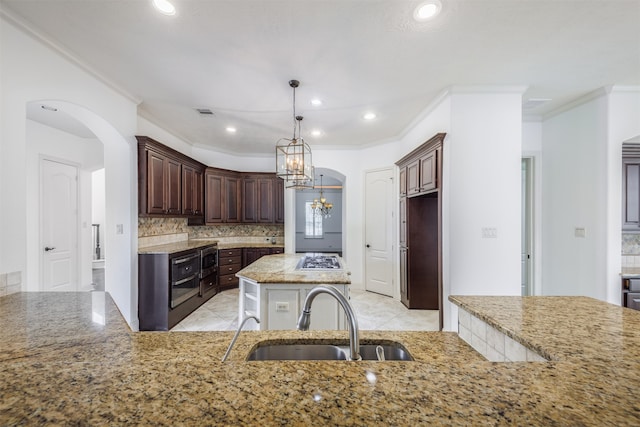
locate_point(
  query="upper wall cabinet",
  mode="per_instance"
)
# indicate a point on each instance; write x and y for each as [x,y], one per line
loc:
[631,194]
[222,196]
[263,198]
[419,169]
[169,183]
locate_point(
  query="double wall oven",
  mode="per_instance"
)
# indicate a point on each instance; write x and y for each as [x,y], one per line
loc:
[193,273]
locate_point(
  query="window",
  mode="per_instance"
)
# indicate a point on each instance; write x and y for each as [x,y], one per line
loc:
[313,223]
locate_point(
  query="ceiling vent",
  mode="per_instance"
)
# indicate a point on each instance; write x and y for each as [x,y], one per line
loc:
[532,103]
[205,111]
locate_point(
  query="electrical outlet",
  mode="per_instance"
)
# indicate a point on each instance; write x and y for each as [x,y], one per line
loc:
[489,233]
[282,306]
[119,229]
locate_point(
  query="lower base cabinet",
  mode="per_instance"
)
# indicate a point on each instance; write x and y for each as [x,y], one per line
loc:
[278,306]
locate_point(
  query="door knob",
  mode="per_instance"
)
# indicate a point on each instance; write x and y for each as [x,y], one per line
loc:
[368,245]
[47,249]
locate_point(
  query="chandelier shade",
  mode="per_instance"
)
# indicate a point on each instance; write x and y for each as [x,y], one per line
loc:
[293,156]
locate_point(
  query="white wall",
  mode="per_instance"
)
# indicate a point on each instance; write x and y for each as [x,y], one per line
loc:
[31,70]
[483,189]
[45,142]
[575,195]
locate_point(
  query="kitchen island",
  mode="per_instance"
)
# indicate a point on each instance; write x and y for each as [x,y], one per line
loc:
[70,359]
[274,289]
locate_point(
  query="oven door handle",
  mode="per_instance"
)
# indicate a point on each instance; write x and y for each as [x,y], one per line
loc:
[180,282]
[185,259]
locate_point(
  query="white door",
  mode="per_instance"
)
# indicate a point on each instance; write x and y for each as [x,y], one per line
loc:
[378,212]
[59,219]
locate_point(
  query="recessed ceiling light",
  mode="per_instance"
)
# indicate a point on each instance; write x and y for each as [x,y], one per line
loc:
[316,102]
[316,132]
[165,7]
[427,10]
[369,116]
[231,129]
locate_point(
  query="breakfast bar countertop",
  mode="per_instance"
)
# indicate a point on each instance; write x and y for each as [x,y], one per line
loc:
[70,359]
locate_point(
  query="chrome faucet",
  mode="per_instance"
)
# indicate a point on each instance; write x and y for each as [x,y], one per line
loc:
[235,337]
[305,318]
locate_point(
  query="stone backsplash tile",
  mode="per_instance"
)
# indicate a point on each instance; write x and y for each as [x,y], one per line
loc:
[630,244]
[152,228]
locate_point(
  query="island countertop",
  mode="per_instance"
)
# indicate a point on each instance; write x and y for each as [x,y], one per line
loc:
[281,268]
[70,359]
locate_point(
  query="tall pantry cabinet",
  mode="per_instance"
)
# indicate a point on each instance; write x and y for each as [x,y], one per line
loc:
[420,226]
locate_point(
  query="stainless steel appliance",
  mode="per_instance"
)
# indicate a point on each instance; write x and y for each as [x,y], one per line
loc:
[185,277]
[209,270]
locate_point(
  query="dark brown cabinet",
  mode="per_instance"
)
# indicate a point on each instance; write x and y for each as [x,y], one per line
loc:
[420,226]
[258,198]
[631,194]
[192,194]
[169,183]
[251,255]
[222,196]
[278,200]
[229,263]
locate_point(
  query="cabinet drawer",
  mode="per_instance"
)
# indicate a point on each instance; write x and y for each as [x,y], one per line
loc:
[230,260]
[226,253]
[229,280]
[229,269]
[633,300]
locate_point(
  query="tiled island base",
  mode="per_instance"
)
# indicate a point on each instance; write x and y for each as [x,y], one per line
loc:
[491,343]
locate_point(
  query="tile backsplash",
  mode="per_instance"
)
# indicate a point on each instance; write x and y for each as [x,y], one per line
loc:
[152,231]
[630,244]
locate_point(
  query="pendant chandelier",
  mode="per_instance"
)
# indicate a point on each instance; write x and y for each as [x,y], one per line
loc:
[293,156]
[321,206]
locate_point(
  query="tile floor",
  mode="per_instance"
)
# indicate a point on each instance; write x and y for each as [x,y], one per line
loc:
[375,312]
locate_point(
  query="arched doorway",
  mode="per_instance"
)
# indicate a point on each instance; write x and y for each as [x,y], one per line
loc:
[120,223]
[315,232]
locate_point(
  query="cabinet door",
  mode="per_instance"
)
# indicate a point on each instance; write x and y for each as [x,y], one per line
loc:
[174,187]
[404,288]
[413,177]
[428,171]
[232,201]
[188,196]
[278,200]
[403,182]
[249,199]
[198,194]
[155,183]
[265,212]
[631,194]
[213,187]
[403,222]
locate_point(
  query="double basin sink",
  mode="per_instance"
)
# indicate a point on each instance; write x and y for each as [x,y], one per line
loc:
[302,351]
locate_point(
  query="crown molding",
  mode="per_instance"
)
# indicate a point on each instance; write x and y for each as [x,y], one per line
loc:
[21,25]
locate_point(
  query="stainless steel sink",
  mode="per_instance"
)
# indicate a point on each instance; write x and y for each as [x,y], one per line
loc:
[392,352]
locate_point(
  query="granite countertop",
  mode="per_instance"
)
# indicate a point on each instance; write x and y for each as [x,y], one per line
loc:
[630,272]
[171,248]
[70,359]
[281,268]
[232,245]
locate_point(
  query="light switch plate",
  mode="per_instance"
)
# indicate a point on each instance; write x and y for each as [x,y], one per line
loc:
[580,232]
[489,233]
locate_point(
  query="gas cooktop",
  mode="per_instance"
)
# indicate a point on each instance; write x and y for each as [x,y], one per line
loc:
[319,262]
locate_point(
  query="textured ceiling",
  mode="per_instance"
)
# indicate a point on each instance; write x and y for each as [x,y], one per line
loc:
[236,58]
